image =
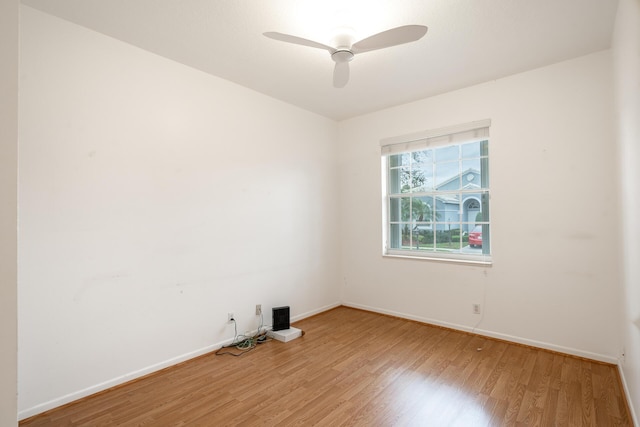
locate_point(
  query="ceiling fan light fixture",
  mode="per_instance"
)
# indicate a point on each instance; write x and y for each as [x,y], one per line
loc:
[342,55]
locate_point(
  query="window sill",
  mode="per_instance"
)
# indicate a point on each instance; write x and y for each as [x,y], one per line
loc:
[477,261]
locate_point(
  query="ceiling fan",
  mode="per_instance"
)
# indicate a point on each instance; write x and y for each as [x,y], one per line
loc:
[344,52]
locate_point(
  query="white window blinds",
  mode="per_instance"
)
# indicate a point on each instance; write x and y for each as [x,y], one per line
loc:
[468,132]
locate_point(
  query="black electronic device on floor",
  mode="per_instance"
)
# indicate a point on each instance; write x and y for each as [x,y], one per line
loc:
[281,318]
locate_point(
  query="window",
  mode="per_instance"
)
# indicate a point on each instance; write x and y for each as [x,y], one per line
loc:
[437,195]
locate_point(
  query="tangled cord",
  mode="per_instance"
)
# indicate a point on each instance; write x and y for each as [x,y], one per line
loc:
[245,343]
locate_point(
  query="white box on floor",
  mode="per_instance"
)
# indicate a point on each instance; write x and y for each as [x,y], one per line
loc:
[285,335]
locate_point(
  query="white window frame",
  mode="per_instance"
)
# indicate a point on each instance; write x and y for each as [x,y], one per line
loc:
[453,135]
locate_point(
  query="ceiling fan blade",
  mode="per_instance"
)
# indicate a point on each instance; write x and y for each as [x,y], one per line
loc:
[341,74]
[297,40]
[392,37]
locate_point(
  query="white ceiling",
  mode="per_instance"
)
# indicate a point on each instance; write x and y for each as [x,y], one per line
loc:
[468,42]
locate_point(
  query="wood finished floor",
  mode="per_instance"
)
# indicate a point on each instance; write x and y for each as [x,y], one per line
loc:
[354,368]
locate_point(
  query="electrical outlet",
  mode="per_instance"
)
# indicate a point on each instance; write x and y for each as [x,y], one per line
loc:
[476,308]
[258,309]
[230,317]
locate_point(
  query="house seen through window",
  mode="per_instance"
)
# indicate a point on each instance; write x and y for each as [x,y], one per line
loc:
[437,194]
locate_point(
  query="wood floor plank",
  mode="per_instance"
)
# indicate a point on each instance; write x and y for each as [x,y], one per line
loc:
[356,368]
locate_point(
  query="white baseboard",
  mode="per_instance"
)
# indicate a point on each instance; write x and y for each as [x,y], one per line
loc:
[63,400]
[634,417]
[505,337]
[314,312]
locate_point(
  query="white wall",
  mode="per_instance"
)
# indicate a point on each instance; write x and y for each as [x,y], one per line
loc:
[554,213]
[153,200]
[9,14]
[626,49]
